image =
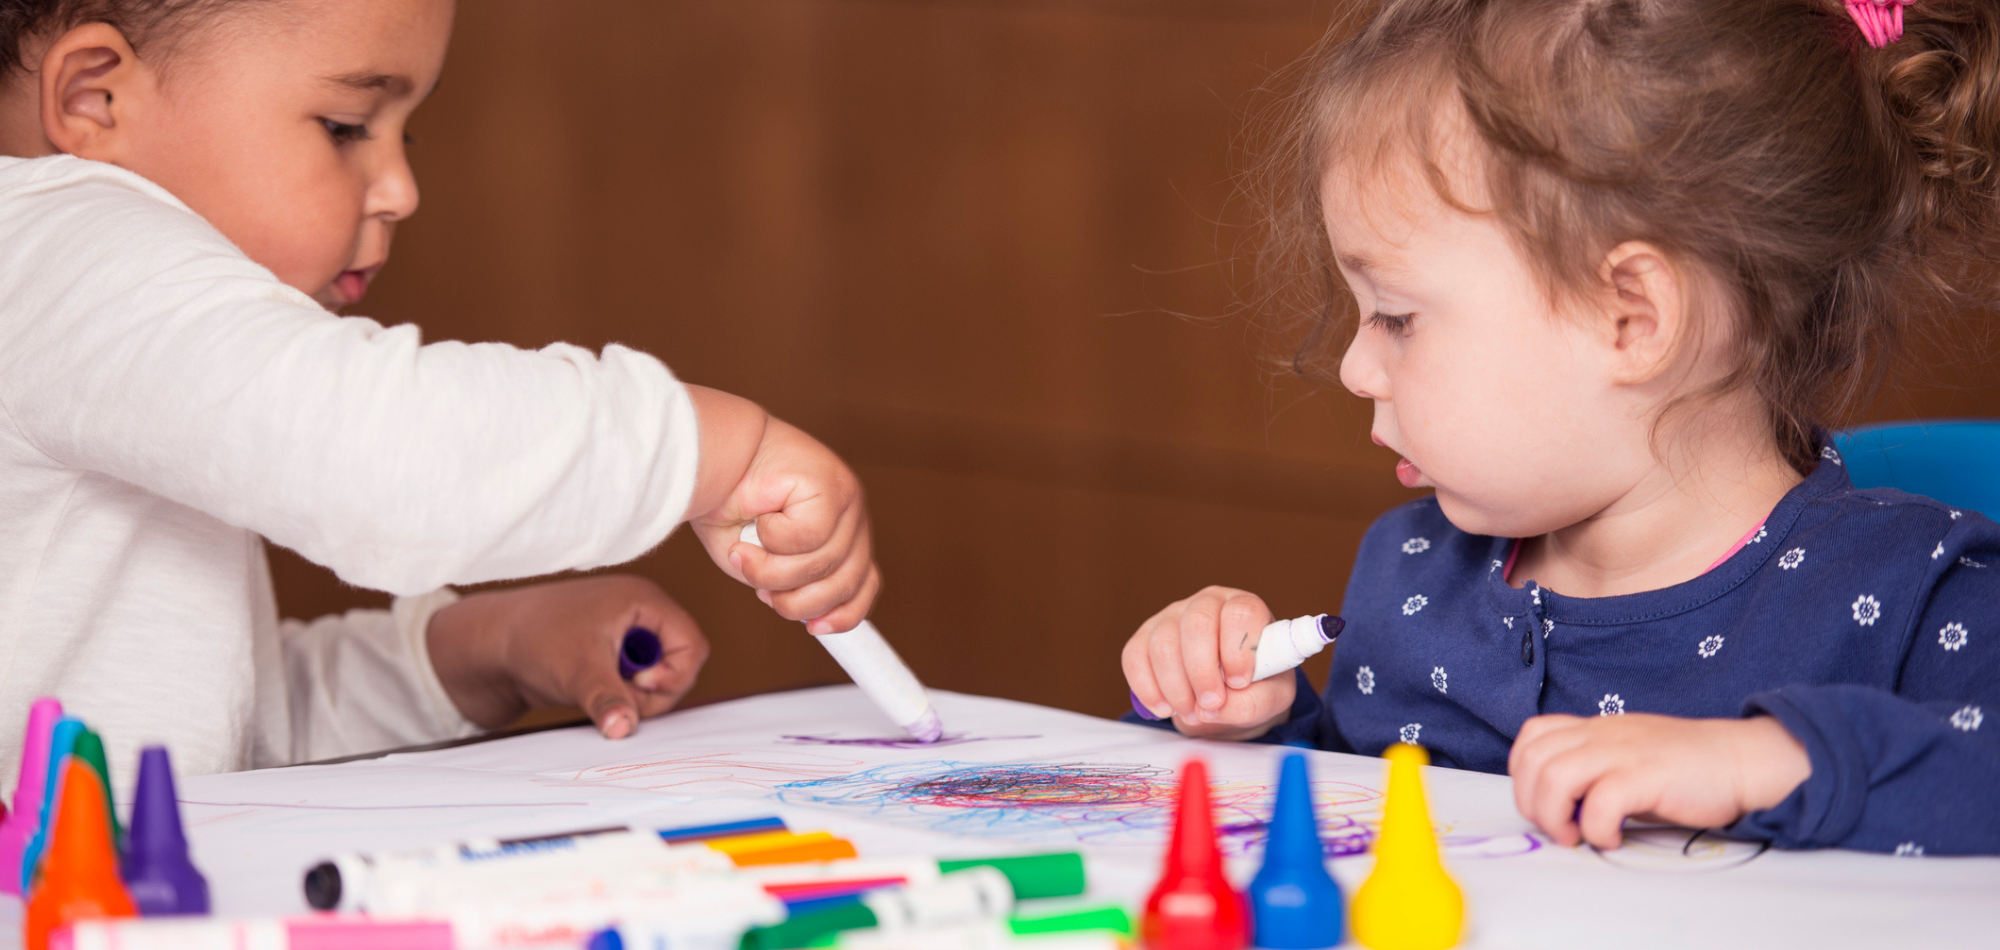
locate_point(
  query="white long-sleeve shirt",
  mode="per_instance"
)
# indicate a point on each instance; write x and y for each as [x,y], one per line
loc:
[164,400]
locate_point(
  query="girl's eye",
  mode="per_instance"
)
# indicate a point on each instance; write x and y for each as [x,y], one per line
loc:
[344,133]
[1392,322]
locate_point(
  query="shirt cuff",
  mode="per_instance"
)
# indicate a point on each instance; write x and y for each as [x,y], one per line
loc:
[412,617]
[1825,808]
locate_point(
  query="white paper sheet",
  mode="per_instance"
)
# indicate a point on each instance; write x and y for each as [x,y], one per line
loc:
[1025,778]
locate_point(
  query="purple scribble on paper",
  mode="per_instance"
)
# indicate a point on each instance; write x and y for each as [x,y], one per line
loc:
[898,742]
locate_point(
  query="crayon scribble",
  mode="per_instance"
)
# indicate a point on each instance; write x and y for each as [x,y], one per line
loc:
[897,742]
[1081,802]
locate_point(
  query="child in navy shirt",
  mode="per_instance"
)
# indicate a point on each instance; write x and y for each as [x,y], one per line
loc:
[1616,262]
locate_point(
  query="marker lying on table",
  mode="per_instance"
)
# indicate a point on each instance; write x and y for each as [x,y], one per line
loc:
[1104,928]
[1109,921]
[1282,646]
[874,666]
[966,896]
[615,863]
[607,866]
[344,882]
[320,931]
[686,925]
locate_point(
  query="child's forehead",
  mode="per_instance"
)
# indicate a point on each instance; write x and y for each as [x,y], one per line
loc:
[341,42]
[1384,188]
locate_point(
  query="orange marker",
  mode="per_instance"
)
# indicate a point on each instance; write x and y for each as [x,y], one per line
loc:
[744,844]
[830,850]
[80,872]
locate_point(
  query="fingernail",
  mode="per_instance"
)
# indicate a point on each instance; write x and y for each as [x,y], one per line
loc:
[765,596]
[818,626]
[617,725]
[1211,700]
[1238,682]
[1163,711]
[736,561]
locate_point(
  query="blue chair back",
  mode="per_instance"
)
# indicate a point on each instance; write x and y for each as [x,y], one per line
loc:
[1955,461]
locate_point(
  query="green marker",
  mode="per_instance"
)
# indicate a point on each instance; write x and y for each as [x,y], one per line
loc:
[90,748]
[1057,874]
[1110,920]
[974,894]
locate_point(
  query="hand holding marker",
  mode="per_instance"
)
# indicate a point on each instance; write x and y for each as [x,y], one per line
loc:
[1282,646]
[874,666]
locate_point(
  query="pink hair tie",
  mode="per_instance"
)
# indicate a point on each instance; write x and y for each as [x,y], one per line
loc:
[1881,21]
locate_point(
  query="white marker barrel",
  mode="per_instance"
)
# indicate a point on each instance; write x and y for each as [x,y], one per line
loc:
[1287,643]
[874,666]
[973,894]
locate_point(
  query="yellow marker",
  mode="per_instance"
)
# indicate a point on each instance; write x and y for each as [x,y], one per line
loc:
[766,841]
[1408,901]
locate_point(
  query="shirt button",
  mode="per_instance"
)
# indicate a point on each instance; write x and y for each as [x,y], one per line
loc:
[1528,645]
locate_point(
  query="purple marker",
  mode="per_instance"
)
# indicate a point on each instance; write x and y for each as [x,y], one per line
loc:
[641,650]
[1280,648]
[156,868]
[20,823]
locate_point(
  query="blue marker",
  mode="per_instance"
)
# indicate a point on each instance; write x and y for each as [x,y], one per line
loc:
[62,742]
[1282,646]
[1294,902]
[640,650]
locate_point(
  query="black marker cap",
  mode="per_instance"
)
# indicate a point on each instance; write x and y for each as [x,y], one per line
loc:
[323,886]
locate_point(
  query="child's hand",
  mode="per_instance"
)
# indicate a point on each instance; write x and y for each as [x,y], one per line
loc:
[1193,661]
[815,561]
[500,652]
[1702,773]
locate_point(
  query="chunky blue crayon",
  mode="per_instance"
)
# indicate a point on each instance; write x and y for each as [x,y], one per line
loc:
[1295,904]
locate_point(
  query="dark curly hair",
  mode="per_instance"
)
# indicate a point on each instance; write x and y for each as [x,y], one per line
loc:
[1832,193]
[144,22]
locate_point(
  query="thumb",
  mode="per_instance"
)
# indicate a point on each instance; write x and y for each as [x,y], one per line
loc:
[608,702]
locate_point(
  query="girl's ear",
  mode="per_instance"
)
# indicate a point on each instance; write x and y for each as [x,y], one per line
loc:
[1646,311]
[91,81]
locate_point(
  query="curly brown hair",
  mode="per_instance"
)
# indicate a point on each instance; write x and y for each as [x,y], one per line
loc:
[1833,193]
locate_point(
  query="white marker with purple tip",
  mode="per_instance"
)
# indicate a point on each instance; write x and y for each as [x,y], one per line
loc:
[874,666]
[1282,646]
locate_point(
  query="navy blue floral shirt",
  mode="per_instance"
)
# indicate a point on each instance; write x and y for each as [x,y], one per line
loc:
[1866,621]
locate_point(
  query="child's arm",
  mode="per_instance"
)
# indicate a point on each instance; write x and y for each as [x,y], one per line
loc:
[1193,661]
[1813,765]
[140,345]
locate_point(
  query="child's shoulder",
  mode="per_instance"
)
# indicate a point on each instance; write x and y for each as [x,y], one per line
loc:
[1869,516]
[44,192]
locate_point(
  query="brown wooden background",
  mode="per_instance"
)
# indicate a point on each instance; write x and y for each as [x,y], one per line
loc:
[952,239]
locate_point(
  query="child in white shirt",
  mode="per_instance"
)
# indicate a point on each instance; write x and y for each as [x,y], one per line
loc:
[196,185]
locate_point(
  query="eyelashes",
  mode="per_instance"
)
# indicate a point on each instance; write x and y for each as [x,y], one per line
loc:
[344,133]
[1392,322]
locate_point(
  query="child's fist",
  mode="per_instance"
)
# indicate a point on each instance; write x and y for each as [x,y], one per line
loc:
[499,653]
[815,560]
[1193,661]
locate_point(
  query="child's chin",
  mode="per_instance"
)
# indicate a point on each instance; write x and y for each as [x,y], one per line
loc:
[1473,518]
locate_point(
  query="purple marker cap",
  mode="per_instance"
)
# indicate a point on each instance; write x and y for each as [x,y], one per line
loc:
[20,823]
[1143,712]
[640,650]
[156,868]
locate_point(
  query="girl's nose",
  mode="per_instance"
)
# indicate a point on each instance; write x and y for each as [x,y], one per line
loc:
[1361,369]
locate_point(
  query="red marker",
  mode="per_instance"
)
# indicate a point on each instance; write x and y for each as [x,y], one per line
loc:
[1193,907]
